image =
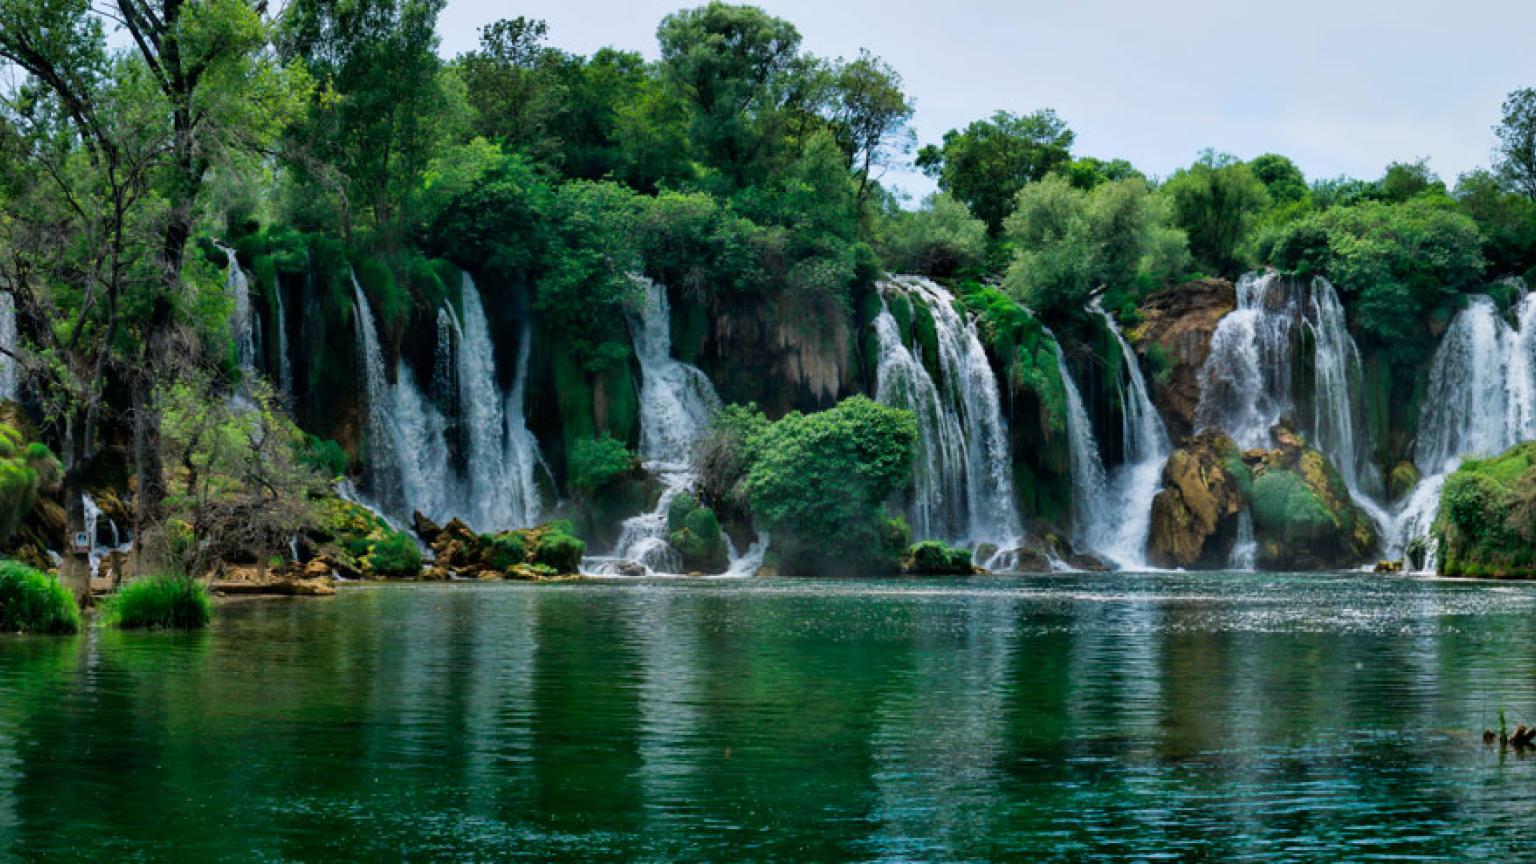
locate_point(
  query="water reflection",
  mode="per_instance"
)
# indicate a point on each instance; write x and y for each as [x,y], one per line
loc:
[1240,717]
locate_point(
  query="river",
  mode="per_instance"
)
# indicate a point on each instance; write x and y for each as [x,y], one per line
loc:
[1258,717]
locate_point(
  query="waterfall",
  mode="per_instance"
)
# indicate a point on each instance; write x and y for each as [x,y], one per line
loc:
[1120,531]
[284,363]
[410,468]
[384,484]
[1481,401]
[522,457]
[1245,551]
[10,383]
[1247,381]
[677,402]
[241,322]
[964,468]
[1087,468]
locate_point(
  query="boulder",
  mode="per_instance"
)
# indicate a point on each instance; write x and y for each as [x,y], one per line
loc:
[1194,516]
[1087,563]
[425,528]
[1174,336]
[1402,479]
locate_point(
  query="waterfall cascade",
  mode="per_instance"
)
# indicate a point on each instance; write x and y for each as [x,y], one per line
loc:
[241,322]
[284,362]
[410,467]
[677,402]
[1089,481]
[1481,401]
[964,484]
[1247,381]
[1119,529]
[10,381]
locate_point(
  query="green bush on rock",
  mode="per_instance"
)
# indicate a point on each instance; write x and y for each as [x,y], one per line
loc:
[1487,523]
[32,601]
[694,532]
[936,558]
[393,554]
[594,463]
[168,601]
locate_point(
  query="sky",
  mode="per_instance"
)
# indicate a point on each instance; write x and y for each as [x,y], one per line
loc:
[1342,87]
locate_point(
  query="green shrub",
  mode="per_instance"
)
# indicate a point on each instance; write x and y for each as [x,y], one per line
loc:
[556,547]
[325,456]
[593,463]
[940,239]
[394,554]
[507,550]
[25,469]
[819,483]
[936,558]
[695,533]
[34,602]
[167,601]
[1283,503]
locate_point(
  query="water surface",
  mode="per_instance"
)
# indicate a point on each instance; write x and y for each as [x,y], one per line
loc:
[1107,717]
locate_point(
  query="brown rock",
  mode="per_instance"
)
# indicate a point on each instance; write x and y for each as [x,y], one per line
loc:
[425,528]
[1193,517]
[1177,323]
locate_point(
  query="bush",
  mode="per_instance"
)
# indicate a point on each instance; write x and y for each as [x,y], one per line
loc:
[34,602]
[724,456]
[554,546]
[395,554]
[167,601]
[695,533]
[593,463]
[936,558]
[25,469]
[1488,515]
[325,456]
[819,483]
[507,550]
[939,240]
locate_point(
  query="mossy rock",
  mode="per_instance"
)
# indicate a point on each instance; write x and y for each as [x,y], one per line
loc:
[1194,516]
[1402,479]
[937,558]
[1487,522]
[1303,515]
[694,531]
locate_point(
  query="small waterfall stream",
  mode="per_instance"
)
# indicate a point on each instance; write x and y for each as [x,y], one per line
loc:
[241,322]
[1119,533]
[1481,401]
[964,472]
[677,402]
[10,383]
[1089,482]
[284,362]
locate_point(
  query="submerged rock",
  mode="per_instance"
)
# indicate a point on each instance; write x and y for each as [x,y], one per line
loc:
[1175,338]
[1194,516]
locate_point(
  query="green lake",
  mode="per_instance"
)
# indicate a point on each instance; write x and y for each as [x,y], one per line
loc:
[1220,717]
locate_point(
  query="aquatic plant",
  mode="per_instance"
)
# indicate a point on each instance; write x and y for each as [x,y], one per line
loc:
[32,601]
[165,601]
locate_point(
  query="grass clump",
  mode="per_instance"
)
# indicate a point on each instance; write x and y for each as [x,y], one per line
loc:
[32,601]
[167,601]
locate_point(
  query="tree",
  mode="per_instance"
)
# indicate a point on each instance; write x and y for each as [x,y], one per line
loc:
[1515,153]
[938,239]
[1281,178]
[1404,180]
[991,160]
[869,115]
[1086,172]
[735,66]
[1216,201]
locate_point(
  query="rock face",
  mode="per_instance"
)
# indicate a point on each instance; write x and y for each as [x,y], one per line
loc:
[1174,336]
[1303,515]
[1194,517]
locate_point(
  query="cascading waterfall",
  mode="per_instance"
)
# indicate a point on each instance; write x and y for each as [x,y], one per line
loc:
[1087,467]
[964,472]
[677,401]
[1119,531]
[410,469]
[1245,549]
[284,362]
[1481,401]
[10,385]
[1247,381]
[241,321]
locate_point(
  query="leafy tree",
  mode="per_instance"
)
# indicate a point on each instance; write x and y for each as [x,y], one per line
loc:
[869,115]
[1216,201]
[940,239]
[735,65]
[1086,172]
[1515,153]
[1281,178]
[1506,219]
[991,160]
[1405,180]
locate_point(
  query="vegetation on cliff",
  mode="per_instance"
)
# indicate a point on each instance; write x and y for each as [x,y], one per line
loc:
[1487,524]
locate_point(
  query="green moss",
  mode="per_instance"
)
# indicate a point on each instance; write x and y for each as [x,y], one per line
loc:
[507,550]
[619,410]
[393,554]
[32,601]
[573,397]
[594,463]
[390,302]
[162,602]
[1283,505]
[695,533]
[936,558]
[324,456]
[556,547]
[1487,522]
[927,334]
[901,310]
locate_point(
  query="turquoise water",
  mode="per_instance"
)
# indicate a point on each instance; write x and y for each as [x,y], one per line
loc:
[1089,717]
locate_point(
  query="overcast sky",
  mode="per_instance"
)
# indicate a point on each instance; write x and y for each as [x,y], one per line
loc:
[1342,87]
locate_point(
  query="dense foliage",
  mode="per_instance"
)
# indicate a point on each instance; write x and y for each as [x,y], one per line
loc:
[34,602]
[168,601]
[1487,524]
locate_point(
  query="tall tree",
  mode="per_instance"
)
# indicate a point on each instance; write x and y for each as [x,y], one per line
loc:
[869,115]
[1516,150]
[1216,201]
[991,160]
